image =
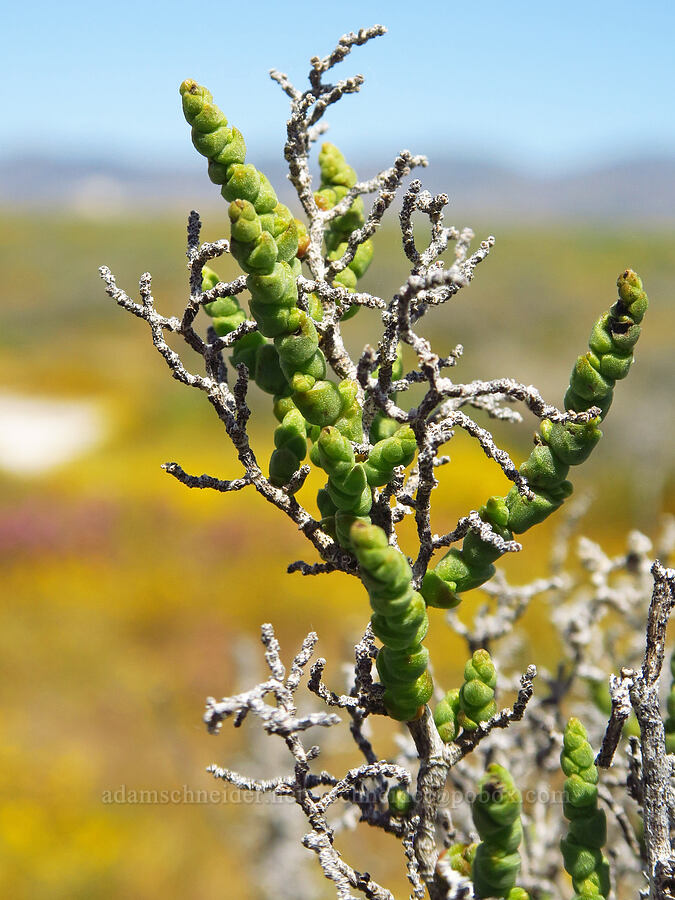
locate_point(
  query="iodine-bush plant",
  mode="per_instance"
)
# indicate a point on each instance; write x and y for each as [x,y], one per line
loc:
[379,458]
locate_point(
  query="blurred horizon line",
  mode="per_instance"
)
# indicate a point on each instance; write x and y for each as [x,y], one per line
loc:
[639,188]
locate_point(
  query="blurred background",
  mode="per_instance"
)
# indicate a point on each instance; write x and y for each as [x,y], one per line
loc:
[127,598]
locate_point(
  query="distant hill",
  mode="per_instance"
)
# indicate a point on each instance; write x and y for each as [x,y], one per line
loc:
[639,190]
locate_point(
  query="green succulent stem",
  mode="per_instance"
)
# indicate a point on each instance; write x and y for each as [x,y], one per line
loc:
[337,177]
[348,494]
[399,620]
[465,708]
[446,712]
[496,814]
[558,446]
[264,241]
[477,695]
[582,846]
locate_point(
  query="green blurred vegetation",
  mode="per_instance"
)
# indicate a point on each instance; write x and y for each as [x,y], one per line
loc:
[125,592]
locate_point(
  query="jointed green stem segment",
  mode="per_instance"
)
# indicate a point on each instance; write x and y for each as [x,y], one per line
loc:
[557,447]
[399,620]
[336,179]
[348,493]
[477,695]
[399,614]
[496,815]
[265,243]
[473,703]
[581,849]
[445,716]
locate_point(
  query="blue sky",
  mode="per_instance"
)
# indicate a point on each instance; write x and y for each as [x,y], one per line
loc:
[538,85]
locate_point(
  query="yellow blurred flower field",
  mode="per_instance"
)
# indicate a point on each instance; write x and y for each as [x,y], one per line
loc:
[127,598]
